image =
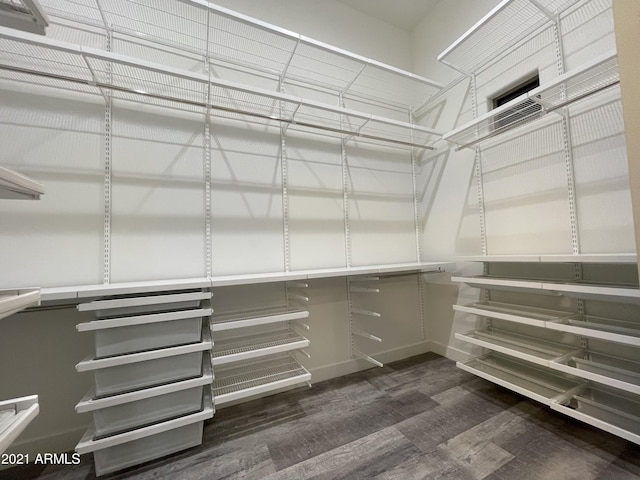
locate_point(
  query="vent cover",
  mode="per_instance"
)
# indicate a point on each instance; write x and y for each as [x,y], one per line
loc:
[26,15]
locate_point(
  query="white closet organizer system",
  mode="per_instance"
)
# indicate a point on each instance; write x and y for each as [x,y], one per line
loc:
[580,364]
[228,46]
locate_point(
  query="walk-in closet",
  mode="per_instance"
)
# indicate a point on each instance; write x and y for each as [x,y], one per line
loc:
[319,239]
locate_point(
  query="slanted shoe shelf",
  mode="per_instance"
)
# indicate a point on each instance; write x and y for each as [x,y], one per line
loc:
[601,388]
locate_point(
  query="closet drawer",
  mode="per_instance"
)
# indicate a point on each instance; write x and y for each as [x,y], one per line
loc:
[125,333]
[127,411]
[123,373]
[110,421]
[136,338]
[113,380]
[147,443]
[139,451]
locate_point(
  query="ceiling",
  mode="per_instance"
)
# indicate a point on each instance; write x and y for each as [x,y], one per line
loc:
[404,14]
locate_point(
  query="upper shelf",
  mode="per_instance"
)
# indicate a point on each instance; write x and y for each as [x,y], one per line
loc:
[234,40]
[28,57]
[89,291]
[554,258]
[508,24]
[15,186]
[592,77]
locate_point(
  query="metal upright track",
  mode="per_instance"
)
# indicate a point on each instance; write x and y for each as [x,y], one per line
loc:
[106,274]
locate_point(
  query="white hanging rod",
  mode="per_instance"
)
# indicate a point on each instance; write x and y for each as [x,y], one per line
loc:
[216,107]
[543,112]
[87,53]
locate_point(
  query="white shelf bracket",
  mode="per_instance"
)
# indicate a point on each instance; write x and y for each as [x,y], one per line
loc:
[359,354]
[298,323]
[364,289]
[353,80]
[366,313]
[363,334]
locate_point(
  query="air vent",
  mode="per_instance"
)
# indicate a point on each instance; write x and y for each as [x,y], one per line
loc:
[520,112]
[26,15]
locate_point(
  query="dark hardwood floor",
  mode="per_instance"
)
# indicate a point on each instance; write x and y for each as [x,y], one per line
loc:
[421,418]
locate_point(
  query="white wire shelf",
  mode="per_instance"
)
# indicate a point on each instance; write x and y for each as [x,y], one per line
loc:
[557,258]
[609,409]
[581,290]
[15,416]
[591,78]
[16,186]
[250,319]
[538,383]
[232,40]
[519,346]
[261,377]
[610,329]
[537,317]
[26,57]
[247,347]
[620,373]
[509,24]
[13,301]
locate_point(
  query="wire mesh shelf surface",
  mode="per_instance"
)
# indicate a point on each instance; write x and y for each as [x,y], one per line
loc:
[509,23]
[133,79]
[248,377]
[228,38]
[591,78]
[235,347]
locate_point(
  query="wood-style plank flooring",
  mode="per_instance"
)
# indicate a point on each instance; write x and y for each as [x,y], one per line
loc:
[420,418]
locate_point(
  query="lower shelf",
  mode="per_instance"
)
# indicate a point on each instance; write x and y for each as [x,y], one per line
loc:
[613,330]
[247,347]
[538,383]
[608,409]
[15,415]
[518,346]
[250,379]
[606,369]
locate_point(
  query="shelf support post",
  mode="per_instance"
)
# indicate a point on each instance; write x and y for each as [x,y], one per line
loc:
[206,160]
[106,264]
[416,201]
[345,192]
[284,172]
